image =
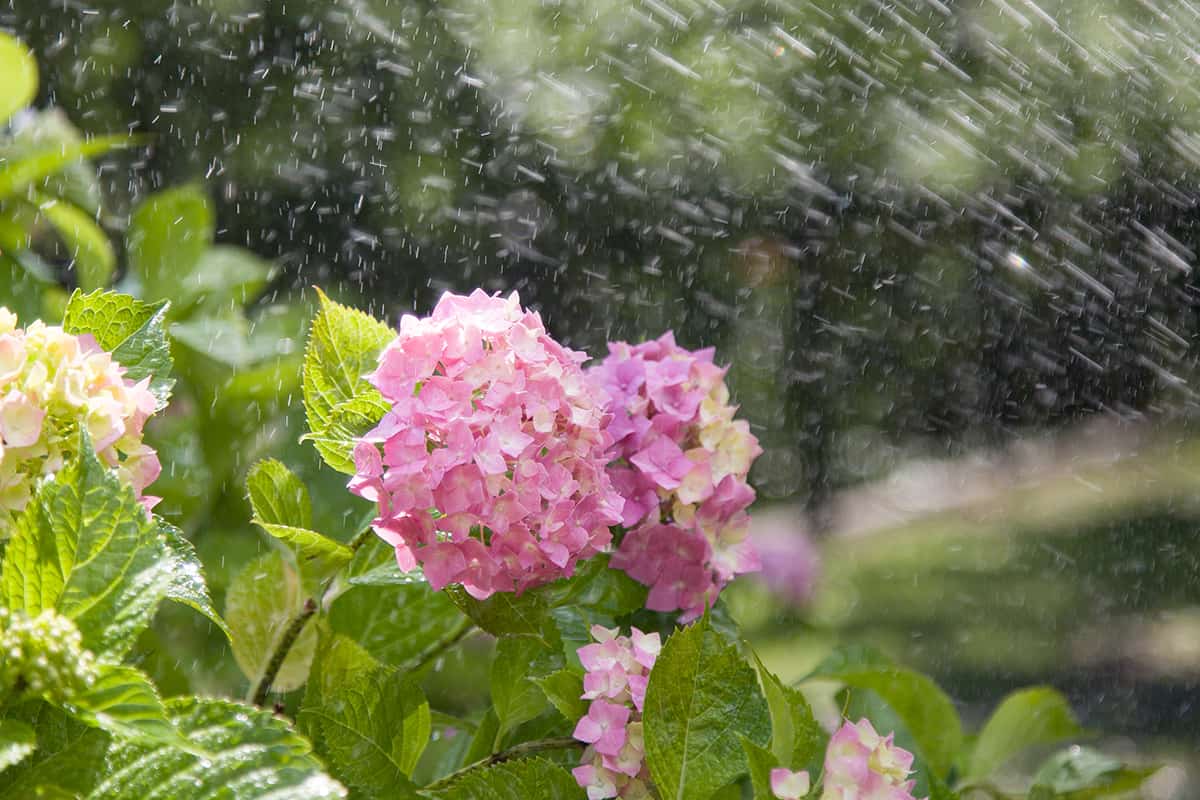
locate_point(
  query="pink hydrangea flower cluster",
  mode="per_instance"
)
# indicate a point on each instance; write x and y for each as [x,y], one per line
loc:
[617,671]
[489,469]
[860,765]
[51,383]
[680,460]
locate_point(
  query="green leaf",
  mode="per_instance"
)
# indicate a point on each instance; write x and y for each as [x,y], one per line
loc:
[374,728]
[261,603]
[386,574]
[85,547]
[1025,718]
[224,277]
[278,496]
[701,701]
[343,346]
[797,739]
[88,244]
[131,330]
[507,614]
[925,709]
[483,743]
[69,755]
[282,508]
[32,168]
[24,281]
[19,69]
[1081,773]
[395,624]
[249,753]
[77,182]
[564,689]
[187,585]
[123,702]
[518,662]
[602,590]
[318,556]
[168,233]
[347,422]
[524,779]
[337,662]
[17,740]
[760,761]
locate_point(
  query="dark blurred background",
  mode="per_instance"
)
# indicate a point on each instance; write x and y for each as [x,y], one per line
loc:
[947,248]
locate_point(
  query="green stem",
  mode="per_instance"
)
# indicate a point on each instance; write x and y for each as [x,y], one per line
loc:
[360,538]
[516,751]
[456,635]
[986,788]
[290,635]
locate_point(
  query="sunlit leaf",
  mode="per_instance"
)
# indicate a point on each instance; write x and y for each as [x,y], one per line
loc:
[17,740]
[247,753]
[261,603]
[277,496]
[19,69]
[123,702]
[282,508]
[187,584]
[67,762]
[343,346]
[86,547]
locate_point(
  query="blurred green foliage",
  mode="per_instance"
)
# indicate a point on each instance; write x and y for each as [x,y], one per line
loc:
[915,226]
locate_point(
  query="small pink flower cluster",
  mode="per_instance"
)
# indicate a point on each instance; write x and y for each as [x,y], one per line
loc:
[859,765]
[680,460]
[51,383]
[617,671]
[489,467]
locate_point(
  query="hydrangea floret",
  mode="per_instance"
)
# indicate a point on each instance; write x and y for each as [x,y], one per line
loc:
[617,669]
[489,468]
[860,764]
[52,383]
[680,460]
[43,656]
[788,785]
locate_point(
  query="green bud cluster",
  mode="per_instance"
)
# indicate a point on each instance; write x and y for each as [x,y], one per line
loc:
[43,656]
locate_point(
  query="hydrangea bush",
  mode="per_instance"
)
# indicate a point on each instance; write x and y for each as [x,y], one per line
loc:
[573,523]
